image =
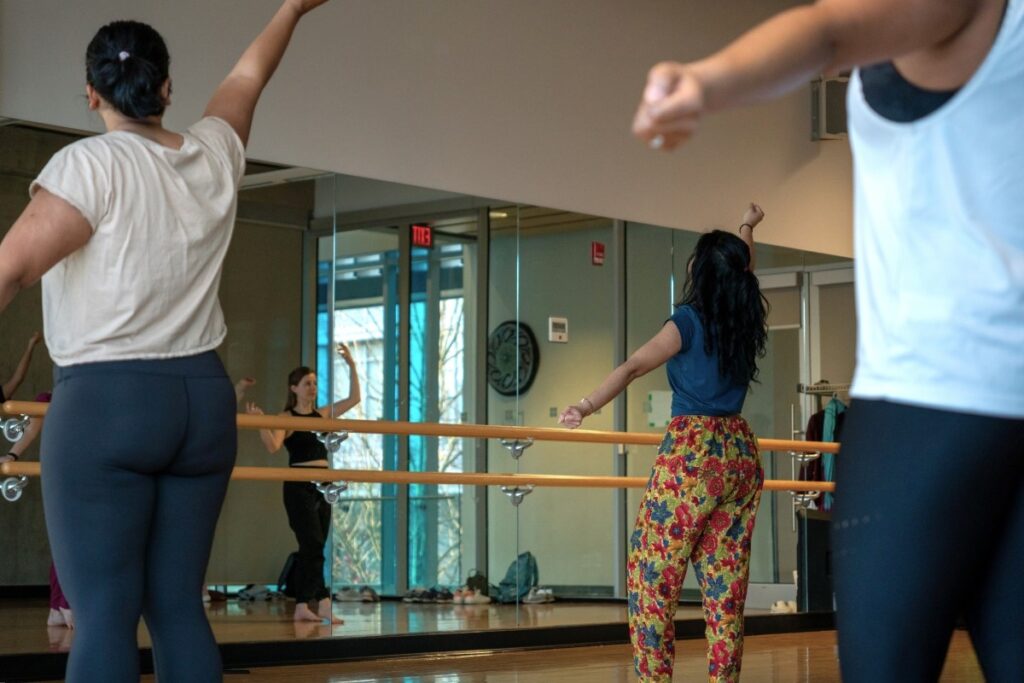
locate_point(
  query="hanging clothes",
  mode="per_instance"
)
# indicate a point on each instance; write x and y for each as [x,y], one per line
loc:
[824,425]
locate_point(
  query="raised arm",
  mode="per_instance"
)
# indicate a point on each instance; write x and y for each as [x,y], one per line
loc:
[48,230]
[354,392]
[12,384]
[236,97]
[272,439]
[789,50]
[651,355]
[751,218]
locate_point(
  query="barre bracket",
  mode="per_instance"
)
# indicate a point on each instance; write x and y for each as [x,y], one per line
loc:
[517,446]
[14,427]
[12,487]
[331,490]
[517,493]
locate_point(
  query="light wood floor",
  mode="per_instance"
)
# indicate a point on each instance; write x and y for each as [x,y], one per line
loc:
[23,630]
[790,658]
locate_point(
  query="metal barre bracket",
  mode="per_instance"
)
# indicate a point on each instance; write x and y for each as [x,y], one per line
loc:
[331,440]
[804,458]
[331,490]
[12,488]
[517,446]
[802,500]
[14,427]
[517,493]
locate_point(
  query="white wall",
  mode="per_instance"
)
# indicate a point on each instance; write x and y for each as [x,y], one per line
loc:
[528,100]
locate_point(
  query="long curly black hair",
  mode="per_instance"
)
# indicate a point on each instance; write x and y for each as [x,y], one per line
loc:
[727,296]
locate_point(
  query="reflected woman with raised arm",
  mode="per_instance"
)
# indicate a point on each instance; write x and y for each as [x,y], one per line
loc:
[309,515]
[128,231]
[702,498]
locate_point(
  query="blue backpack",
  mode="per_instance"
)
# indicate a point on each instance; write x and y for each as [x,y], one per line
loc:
[519,579]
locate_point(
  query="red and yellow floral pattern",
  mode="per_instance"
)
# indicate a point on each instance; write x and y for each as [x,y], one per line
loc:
[699,507]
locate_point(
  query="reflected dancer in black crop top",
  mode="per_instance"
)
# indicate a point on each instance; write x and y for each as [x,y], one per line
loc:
[309,515]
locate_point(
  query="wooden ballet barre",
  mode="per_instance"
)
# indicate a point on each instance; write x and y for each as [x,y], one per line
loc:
[470,431]
[31,469]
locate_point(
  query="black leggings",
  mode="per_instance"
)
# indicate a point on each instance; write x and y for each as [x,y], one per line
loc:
[309,516]
[136,457]
[928,526]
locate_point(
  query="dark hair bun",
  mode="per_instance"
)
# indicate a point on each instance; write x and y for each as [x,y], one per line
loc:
[127,63]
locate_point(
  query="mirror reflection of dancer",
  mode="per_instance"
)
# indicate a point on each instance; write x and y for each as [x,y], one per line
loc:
[8,388]
[932,450]
[702,499]
[309,515]
[128,231]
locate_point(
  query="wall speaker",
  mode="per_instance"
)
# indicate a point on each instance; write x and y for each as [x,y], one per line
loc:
[828,108]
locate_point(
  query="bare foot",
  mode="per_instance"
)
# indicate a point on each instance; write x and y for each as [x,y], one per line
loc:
[68,617]
[55,618]
[303,613]
[326,613]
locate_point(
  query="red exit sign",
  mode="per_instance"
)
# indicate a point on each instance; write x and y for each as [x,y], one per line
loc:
[422,236]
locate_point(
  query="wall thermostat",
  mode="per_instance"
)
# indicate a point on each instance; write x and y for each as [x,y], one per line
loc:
[558,330]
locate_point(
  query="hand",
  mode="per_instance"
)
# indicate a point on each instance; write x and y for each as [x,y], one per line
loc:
[571,417]
[345,353]
[253,409]
[303,6]
[35,339]
[753,215]
[7,458]
[671,107]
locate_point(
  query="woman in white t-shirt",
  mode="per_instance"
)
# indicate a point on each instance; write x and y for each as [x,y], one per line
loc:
[128,231]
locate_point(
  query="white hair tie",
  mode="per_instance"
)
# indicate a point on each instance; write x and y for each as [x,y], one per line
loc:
[123,55]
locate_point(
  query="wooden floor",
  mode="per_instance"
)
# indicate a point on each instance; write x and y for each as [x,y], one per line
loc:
[790,658]
[23,630]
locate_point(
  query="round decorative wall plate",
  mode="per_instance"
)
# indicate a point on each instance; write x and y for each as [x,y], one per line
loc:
[512,358]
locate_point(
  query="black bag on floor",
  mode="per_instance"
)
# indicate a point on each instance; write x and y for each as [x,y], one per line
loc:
[285,582]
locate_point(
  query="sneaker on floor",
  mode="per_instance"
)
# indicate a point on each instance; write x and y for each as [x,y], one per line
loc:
[367,594]
[534,597]
[443,595]
[415,595]
[348,595]
[547,593]
[476,598]
[254,592]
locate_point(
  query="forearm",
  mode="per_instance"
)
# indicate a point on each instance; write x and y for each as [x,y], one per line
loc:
[747,235]
[261,59]
[774,58]
[269,440]
[35,427]
[613,385]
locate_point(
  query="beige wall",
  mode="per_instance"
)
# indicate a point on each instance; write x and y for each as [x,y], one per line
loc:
[528,101]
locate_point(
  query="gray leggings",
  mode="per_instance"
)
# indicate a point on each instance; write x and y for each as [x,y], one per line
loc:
[136,457]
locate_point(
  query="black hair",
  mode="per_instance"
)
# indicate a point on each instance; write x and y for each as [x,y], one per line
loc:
[727,296]
[127,63]
[294,377]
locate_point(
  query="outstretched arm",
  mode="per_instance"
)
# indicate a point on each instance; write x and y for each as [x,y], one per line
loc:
[11,385]
[236,97]
[789,50]
[651,355]
[751,218]
[46,231]
[272,439]
[354,393]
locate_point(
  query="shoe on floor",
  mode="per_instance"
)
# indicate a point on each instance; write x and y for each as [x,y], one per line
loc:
[348,595]
[367,594]
[476,598]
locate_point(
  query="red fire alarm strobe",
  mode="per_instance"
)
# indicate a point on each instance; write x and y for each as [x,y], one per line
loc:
[597,253]
[422,236]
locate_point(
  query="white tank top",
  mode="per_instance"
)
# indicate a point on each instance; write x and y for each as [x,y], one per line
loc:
[939,242]
[145,284]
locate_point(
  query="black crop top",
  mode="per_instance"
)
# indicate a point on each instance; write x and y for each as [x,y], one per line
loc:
[304,446]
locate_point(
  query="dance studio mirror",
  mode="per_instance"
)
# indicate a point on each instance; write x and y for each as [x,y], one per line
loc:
[436,307]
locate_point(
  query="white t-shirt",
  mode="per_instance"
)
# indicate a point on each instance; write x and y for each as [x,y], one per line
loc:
[939,242]
[145,284]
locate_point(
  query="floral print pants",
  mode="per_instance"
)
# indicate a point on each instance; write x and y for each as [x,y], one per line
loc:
[699,507]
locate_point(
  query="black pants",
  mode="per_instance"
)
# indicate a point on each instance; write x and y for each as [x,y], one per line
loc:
[928,526]
[309,516]
[136,457]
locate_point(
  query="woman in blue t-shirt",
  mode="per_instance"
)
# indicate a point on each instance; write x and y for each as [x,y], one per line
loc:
[705,487]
